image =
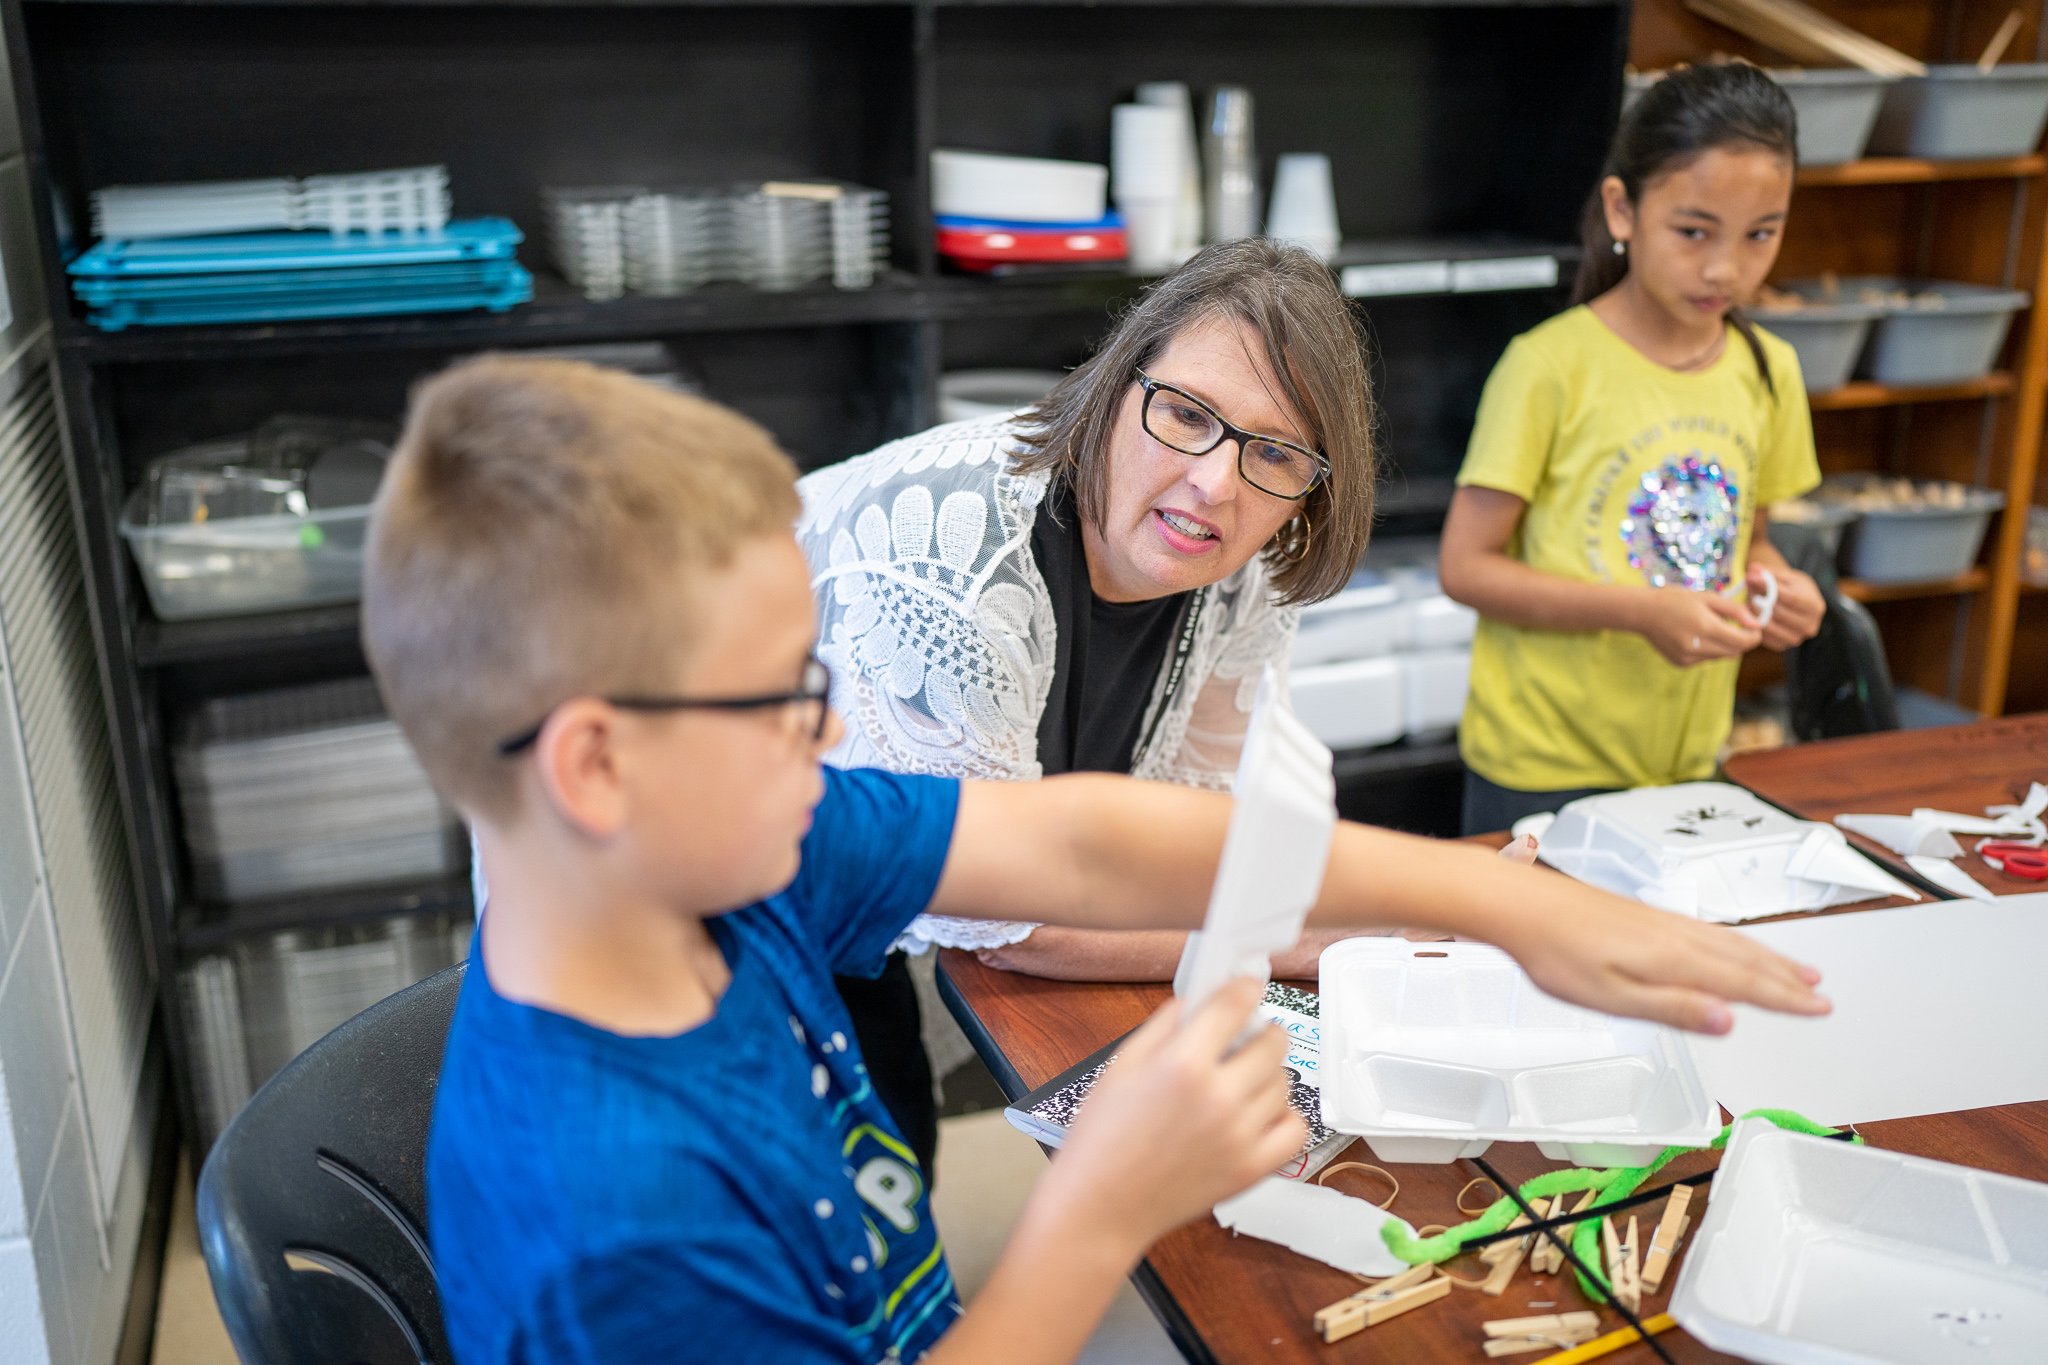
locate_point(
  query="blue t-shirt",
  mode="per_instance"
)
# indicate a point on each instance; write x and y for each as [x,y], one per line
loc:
[734,1193]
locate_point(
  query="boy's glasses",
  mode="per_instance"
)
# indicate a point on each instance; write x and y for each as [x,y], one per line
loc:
[1180,421]
[812,691]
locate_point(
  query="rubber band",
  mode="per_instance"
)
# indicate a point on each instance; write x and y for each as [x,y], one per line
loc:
[1460,1200]
[1365,1166]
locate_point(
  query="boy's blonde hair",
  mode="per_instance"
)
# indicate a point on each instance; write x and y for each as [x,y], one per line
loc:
[537,538]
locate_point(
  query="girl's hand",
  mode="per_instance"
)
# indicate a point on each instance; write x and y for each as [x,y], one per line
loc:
[1179,1122]
[1800,606]
[1522,850]
[1690,628]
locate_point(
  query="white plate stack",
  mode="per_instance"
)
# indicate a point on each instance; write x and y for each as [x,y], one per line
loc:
[586,236]
[676,240]
[195,209]
[1390,656]
[411,199]
[414,199]
[304,789]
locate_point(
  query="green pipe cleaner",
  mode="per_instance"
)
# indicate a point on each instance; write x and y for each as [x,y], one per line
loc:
[1613,1186]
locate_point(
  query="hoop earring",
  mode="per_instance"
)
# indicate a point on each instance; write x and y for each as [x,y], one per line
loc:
[1308,535]
[1620,249]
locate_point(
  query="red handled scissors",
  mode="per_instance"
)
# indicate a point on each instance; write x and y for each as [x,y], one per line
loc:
[2015,860]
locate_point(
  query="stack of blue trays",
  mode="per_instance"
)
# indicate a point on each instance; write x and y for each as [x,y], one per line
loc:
[273,276]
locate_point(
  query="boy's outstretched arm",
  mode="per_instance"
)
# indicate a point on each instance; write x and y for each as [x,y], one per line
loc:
[1103,852]
[1174,1126]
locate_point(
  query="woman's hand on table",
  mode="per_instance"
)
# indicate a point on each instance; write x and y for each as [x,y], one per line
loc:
[1797,616]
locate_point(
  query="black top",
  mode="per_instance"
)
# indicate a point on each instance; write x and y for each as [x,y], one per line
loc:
[1106,658]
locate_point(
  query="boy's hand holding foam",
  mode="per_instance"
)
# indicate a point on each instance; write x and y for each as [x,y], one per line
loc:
[1177,1124]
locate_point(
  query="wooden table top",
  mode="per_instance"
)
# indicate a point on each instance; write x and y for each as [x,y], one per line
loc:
[1231,1299]
[1961,768]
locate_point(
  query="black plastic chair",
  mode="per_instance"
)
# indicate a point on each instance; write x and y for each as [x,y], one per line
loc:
[312,1207]
[1838,683]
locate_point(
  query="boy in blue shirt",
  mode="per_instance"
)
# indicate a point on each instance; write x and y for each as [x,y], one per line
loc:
[655,1138]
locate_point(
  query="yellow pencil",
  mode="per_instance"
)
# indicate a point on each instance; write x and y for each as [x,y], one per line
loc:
[1613,1341]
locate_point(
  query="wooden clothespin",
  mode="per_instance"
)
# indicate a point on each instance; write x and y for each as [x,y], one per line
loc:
[1618,1266]
[1390,1298]
[1664,1244]
[1556,1332]
[1546,1259]
[1561,1324]
[1632,1253]
[1506,1259]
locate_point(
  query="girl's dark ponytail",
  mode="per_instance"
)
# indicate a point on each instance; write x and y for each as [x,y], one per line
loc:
[1688,113]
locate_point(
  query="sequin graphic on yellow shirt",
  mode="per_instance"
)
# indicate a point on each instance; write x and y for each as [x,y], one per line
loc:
[1682,525]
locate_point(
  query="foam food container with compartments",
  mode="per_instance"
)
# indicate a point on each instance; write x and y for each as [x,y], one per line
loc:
[1820,1252]
[1712,851]
[1435,1051]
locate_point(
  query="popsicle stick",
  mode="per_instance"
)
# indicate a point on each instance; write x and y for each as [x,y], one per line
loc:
[1995,49]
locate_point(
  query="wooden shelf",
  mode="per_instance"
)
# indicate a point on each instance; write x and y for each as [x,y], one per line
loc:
[1905,170]
[1863,394]
[1976,580]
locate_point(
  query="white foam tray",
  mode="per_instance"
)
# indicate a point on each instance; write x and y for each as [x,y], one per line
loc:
[1817,1252]
[1435,1051]
[1706,849]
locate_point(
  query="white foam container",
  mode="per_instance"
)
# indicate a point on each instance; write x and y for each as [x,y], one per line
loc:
[1017,189]
[1646,842]
[1436,1051]
[1352,704]
[1818,1252]
[1435,683]
[1364,621]
[1440,623]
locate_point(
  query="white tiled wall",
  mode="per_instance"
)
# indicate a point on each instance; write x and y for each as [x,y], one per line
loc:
[76,1100]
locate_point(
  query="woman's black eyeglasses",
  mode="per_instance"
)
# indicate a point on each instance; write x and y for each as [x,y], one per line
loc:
[815,688]
[1180,421]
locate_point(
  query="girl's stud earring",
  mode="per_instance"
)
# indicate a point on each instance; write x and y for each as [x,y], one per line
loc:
[1620,249]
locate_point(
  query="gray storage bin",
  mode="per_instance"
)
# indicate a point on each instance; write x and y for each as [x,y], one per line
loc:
[1948,345]
[1836,111]
[1918,544]
[1957,113]
[1828,337]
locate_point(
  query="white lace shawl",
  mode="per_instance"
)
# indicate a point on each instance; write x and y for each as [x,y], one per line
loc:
[939,631]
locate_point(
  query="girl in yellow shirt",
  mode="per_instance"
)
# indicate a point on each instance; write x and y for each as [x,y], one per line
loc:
[1610,511]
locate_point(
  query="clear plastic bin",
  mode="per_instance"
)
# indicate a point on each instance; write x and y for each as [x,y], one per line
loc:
[246,564]
[1958,112]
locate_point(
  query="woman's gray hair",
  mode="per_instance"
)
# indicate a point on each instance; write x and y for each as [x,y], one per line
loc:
[1316,348]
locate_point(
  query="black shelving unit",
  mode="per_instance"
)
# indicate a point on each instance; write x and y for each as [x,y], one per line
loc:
[1455,129]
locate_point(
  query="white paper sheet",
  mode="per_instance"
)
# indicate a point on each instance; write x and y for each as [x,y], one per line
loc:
[1938,1008]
